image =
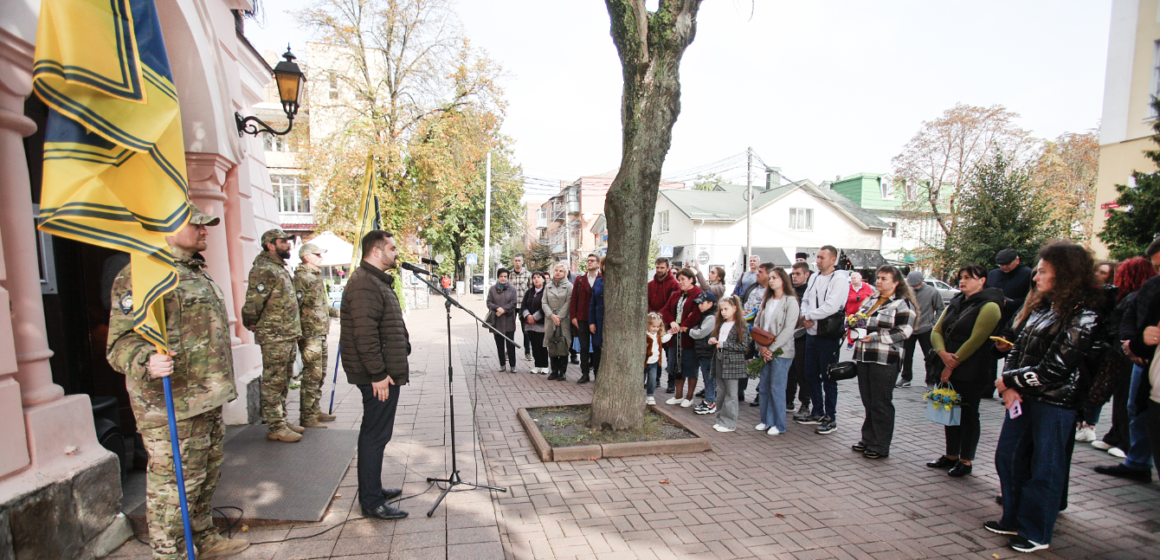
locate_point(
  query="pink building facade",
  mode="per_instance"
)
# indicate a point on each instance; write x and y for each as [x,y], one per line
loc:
[60,402]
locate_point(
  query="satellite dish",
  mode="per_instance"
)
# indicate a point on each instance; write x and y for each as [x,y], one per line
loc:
[439,258]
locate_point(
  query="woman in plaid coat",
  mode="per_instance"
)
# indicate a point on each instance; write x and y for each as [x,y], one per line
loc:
[892,314]
[731,337]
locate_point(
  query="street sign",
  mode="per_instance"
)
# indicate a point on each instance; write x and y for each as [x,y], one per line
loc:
[667,251]
[472,258]
[1109,205]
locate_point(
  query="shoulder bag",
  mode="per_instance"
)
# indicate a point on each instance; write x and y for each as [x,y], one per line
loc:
[834,326]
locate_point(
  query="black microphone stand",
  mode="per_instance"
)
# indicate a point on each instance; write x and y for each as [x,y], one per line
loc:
[454,480]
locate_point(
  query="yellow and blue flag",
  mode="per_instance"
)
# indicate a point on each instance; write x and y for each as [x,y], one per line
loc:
[114,155]
[368,212]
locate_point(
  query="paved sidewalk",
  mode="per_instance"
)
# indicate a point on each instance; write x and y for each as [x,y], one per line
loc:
[798,495]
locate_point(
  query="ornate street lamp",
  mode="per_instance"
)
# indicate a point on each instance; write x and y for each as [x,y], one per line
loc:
[289,79]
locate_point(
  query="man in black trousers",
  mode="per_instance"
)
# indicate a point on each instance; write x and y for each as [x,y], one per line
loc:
[375,346]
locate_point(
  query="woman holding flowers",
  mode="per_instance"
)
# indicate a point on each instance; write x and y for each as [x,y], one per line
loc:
[962,339]
[777,316]
[890,317]
[1043,386]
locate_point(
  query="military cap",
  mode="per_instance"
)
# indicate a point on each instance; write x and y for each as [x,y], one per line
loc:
[310,249]
[273,234]
[198,218]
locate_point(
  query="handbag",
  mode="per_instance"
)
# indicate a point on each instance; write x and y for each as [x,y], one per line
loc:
[762,337]
[941,412]
[558,344]
[834,326]
[490,318]
[934,367]
[841,371]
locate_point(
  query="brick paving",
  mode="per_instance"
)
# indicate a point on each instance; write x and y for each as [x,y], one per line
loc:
[799,495]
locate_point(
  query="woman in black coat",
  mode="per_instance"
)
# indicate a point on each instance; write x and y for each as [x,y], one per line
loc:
[532,313]
[501,299]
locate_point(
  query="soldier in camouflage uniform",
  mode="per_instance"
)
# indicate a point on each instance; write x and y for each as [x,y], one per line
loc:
[200,363]
[315,310]
[271,312]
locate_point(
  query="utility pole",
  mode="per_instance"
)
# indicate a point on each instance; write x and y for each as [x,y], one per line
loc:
[749,208]
[487,227]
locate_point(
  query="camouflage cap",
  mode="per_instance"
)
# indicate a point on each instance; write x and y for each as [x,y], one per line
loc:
[198,218]
[310,249]
[273,234]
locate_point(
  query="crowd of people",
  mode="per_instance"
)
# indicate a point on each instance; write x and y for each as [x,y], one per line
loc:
[1055,342]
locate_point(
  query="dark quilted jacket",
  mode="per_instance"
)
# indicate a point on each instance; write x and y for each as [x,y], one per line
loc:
[374,337]
[1048,361]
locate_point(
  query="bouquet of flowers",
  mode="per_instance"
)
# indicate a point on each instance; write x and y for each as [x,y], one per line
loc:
[753,367]
[856,324]
[943,405]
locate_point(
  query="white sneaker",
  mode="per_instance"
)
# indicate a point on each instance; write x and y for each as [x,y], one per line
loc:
[686,403]
[673,400]
[1099,444]
[650,400]
[1085,434]
[720,428]
[773,431]
[760,427]
[1117,452]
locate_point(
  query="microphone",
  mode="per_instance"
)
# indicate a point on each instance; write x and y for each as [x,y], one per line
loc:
[415,269]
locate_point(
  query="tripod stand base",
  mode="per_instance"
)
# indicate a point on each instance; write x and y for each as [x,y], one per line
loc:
[452,482]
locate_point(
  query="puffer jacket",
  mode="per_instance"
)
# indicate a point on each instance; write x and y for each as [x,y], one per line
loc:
[374,338]
[1048,363]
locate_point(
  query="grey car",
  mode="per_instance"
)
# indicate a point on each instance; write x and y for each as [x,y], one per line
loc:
[943,288]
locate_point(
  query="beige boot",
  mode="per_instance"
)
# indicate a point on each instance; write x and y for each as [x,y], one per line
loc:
[285,434]
[296,428]
[222,547]
[313,423]
[324,417]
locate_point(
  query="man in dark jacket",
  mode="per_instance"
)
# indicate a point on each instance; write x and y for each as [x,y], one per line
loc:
[578,309]
[375,346]
[660,288]
[796,379]
[1013,278]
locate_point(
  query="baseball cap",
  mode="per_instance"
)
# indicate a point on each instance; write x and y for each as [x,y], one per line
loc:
[199,218]
[705,296]
[914,278]
[310,249]
[273,234]
[1006,256]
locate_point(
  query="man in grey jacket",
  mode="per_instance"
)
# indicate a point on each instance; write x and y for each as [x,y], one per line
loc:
[930,308]
[825,297]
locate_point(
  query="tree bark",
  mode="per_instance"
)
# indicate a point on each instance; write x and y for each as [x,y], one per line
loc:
[650,56]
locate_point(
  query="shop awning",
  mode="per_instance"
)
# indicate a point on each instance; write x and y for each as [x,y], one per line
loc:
[338,251]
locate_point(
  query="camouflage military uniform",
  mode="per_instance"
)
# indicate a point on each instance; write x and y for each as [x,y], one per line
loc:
[203,380]
[271,312]
[315,311]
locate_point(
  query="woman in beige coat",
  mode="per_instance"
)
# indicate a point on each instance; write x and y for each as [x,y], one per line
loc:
[557,294]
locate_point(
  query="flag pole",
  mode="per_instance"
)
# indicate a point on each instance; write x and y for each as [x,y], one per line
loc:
[177,467]
[334,385]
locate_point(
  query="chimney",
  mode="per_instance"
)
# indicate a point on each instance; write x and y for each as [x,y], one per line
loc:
[772,177]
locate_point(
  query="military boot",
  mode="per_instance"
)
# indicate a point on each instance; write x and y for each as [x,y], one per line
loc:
[313,423]
[221,547]
[324,417]
[296,428]
[285,434]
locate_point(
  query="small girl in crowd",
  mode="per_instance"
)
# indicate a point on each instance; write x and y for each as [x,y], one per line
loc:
[731,337]
[655,352]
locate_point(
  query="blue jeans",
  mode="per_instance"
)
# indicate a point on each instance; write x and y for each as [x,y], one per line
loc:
[1031,459]
[820,353]
[709,379]
[1140,453]
[650,377]
[771,392]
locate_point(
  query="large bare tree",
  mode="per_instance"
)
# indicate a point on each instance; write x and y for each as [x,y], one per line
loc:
[650,45]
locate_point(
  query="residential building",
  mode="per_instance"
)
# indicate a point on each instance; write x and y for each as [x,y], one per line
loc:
[1131,81]
[908,228]
[535,219]
[710,226]
[53,373]
[574,210]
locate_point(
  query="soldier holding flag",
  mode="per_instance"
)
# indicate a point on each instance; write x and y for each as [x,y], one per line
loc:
[271,312]
[201,366]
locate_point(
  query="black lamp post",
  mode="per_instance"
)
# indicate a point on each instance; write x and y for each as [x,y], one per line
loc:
[289,79]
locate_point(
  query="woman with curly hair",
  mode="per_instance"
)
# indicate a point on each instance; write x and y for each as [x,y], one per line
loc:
[1042,389]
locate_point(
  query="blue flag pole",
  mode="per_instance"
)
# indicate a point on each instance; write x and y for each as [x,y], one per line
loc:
[334,385]
[177,466]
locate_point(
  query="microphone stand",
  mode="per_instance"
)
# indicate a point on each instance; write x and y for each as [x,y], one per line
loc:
[454,480]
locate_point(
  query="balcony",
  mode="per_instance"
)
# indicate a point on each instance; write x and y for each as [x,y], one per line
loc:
[558,214]
[573,207]
[541,219]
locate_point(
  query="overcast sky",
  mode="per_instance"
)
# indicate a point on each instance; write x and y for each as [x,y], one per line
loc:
[819,88]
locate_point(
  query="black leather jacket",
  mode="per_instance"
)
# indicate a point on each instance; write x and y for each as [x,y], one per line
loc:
[1049,362]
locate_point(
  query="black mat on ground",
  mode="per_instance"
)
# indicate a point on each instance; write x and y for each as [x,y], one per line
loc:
[275,481]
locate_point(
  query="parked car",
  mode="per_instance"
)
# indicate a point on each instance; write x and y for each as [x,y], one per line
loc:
[943,288]
[477,284]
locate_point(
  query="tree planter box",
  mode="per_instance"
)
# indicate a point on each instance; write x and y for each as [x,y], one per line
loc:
[690,443]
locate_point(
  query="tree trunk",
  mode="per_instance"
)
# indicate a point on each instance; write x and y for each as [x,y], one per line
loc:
[650,47]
